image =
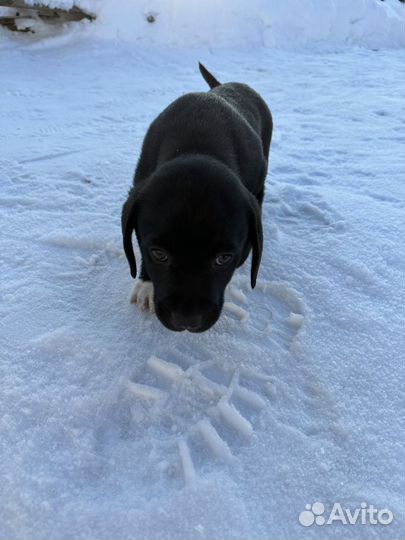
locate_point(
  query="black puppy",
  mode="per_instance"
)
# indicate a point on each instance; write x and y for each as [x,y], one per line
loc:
[196,202]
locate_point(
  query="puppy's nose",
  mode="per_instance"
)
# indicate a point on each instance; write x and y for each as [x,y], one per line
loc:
[186,322]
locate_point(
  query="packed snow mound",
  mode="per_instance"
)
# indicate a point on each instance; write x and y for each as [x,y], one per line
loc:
[270,23]
[287,24]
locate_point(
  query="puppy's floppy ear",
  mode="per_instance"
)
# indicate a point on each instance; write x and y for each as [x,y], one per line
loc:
[128,218]
[255,237]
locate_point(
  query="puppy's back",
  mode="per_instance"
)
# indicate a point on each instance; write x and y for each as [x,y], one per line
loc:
[230,122]
[247,102]
[251,107]
[204,123]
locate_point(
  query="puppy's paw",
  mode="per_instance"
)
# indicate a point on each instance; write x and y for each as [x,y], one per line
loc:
[142,294]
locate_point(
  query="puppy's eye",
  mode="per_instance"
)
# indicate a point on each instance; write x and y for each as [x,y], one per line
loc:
[223,259]
[159,255]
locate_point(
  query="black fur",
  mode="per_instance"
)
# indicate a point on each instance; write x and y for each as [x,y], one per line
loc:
[198,190]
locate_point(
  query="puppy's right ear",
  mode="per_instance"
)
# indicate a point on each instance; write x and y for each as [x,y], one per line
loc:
[256,237]
[128,218]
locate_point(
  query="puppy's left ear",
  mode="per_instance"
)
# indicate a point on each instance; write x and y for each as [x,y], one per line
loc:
[128,218]
[255,237]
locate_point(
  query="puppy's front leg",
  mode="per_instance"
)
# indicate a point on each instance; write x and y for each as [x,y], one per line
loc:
[143,292]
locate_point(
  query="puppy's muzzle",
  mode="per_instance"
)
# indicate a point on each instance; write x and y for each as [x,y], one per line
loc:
[194,318]
[192,323]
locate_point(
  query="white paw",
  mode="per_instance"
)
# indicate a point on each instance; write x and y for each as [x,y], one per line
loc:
[142,294]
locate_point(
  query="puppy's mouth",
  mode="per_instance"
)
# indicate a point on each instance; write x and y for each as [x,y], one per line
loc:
[177,321]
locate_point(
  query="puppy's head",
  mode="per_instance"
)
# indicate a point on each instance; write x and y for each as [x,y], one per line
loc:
[195,223]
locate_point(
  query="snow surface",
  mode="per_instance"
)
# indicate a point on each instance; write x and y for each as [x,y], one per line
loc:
[285,24]
[236,23]
[113,426]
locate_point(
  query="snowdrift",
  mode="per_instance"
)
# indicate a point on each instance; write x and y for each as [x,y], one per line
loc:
[269,23]
[287,24]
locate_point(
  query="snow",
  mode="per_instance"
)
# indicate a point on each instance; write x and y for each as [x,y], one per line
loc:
[187,463]
[113,426]
[169,370]
[218,446]
[295,319]
[259,22]
[144,391]
[270,23]
[234,418]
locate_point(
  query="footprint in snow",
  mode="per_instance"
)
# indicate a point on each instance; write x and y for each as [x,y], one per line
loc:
[300,209]
[274,312]
[195,406]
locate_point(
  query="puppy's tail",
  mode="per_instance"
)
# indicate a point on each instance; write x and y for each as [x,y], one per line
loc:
[208,77]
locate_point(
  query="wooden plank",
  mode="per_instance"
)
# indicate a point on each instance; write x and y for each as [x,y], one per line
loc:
[9,22]
[45,12]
